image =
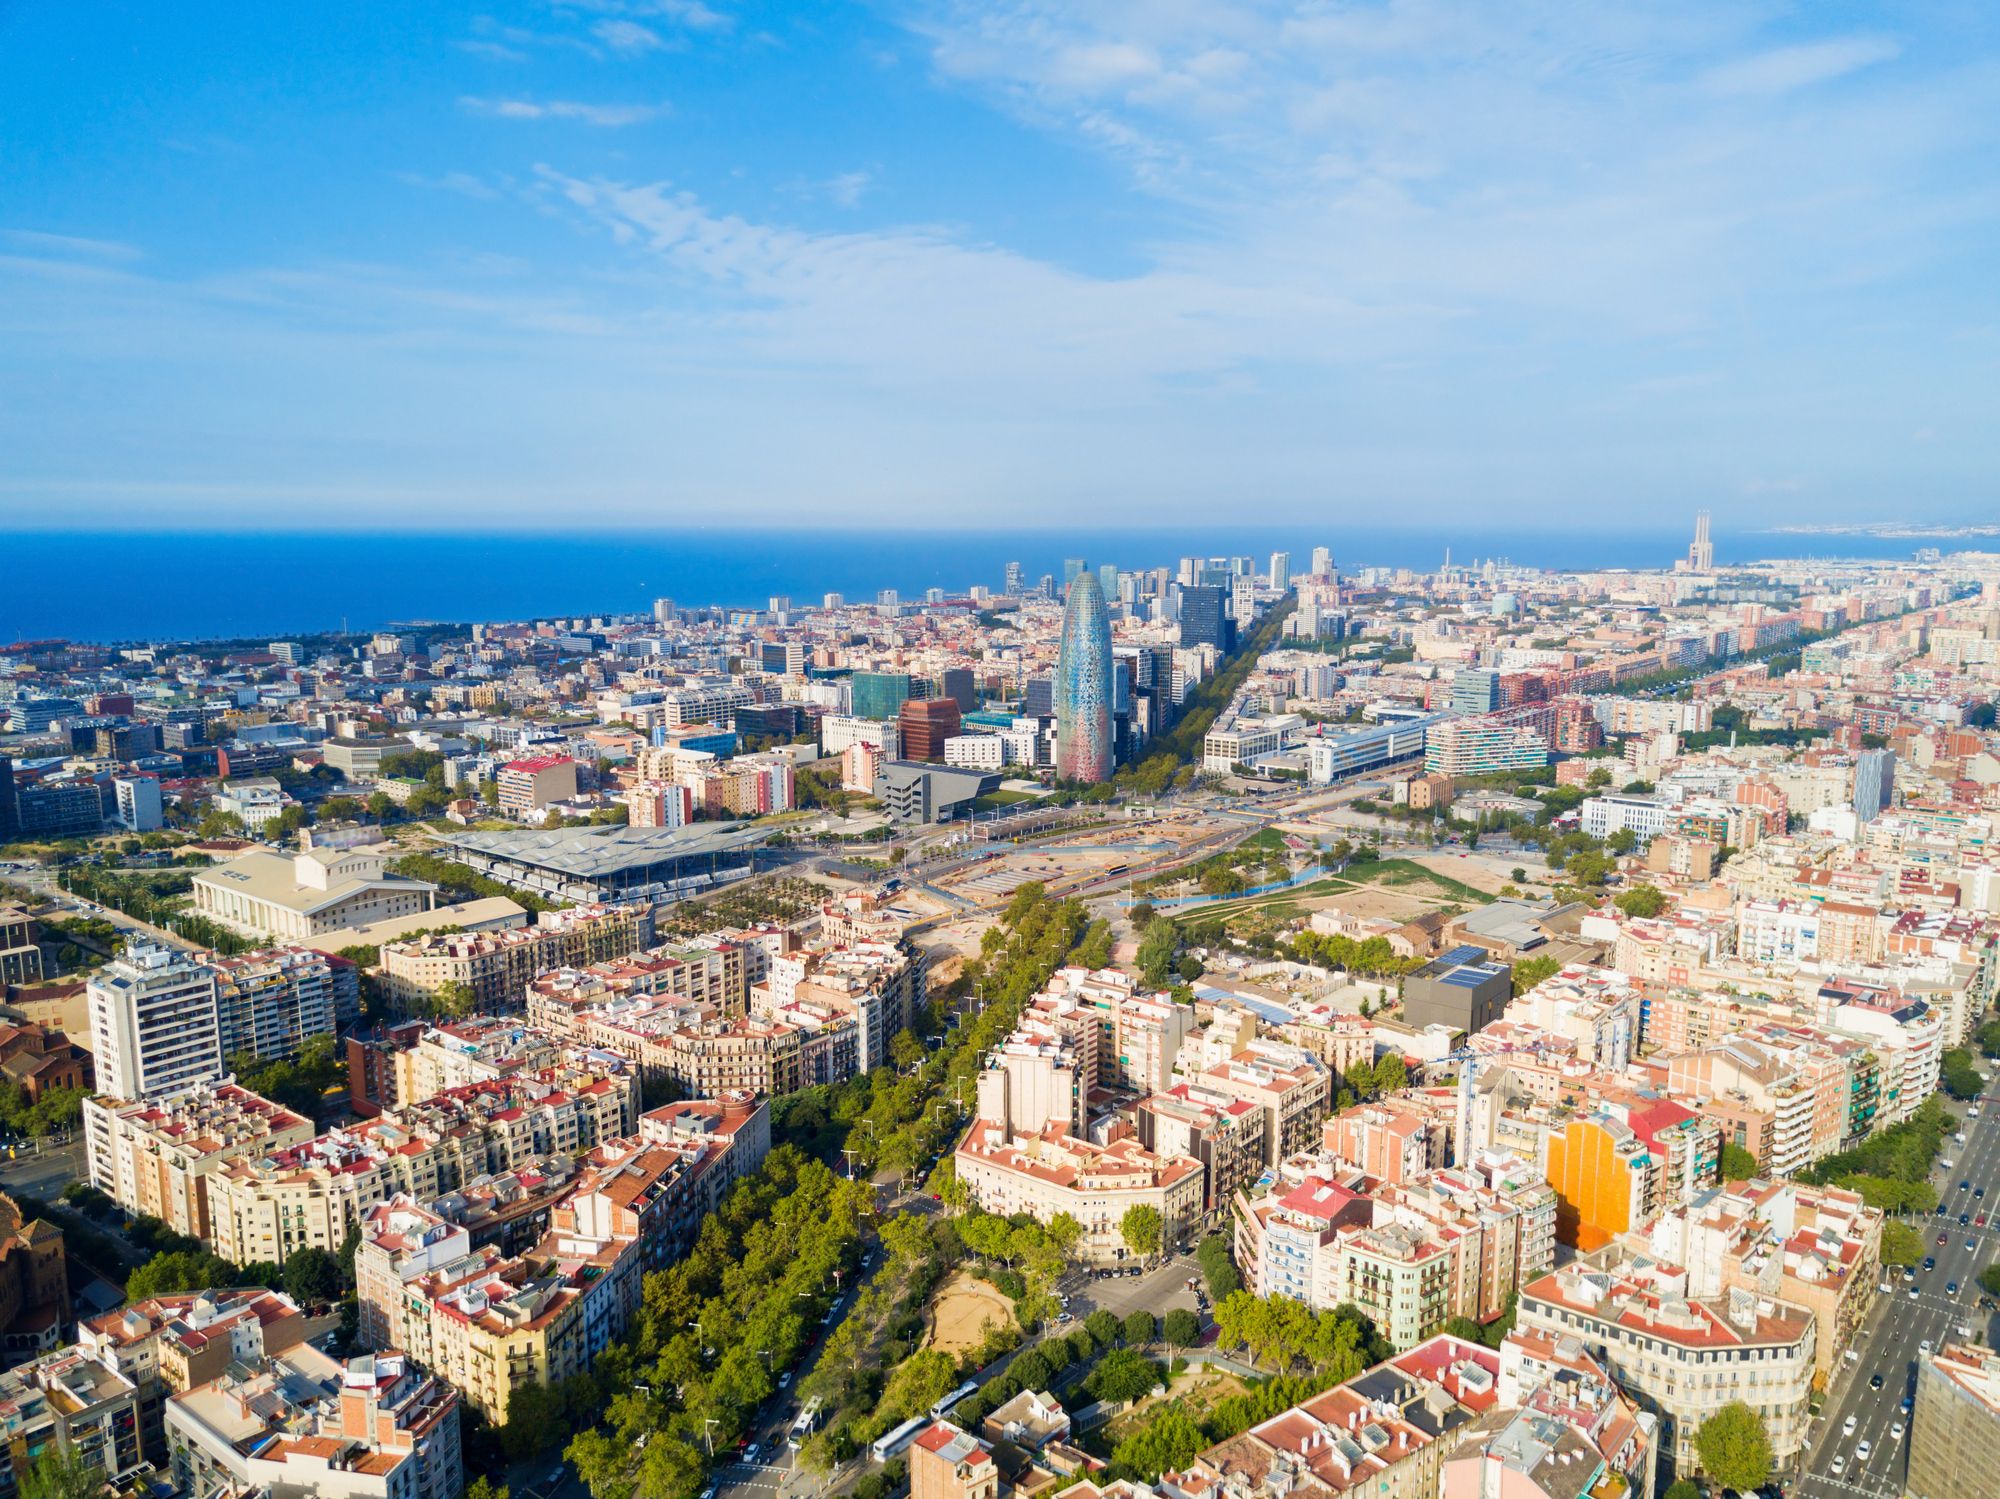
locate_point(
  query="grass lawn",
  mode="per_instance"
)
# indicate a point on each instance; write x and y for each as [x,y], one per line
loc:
[994,800]
[1404,872]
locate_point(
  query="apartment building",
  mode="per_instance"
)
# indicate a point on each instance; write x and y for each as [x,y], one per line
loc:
[375,1427]
[492,1324]
[1955,1423]
[153,1024]
[1289,1085]
[497,967]
[166,1345]
[1817,1248]
[1046,1171]
[1684,1356]
[1226,1135]
[880,985]
[271,1003]
[527,787]
[160,1158]
[715,971]
[313,1193]
[1384,1434]
[1562,1430]
[688,1046]
[68,1403]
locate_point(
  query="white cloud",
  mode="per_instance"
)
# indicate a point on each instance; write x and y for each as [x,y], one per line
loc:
[846,188]
[627,36]
[607,116]
[37,241]
[1787,68]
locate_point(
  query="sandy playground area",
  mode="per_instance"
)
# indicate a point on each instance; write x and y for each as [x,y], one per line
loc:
[964,1308]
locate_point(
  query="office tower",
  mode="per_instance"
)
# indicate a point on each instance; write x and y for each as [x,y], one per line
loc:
[10,820]
[663,611]
[1046,587]
[1189,572]
[153,1027]
[1071,567]
[833,601]
[933,595]
[1107,579]
[1701,554]
[781,603]
[1038,698]
[1083,685]
[1013,580]
[888,598]
[1874,783]
[925,724]
[1322,562]
[1201,617]
[1281,570]
[958,687]
[1475,691]
[879,694]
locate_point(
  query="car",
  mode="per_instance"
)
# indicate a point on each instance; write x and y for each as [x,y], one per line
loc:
[785,1380]
[1065,1316]
[1965,1186]
[709,1492]
[1847,1427]
[1874,1381]
[1964,1219]
[1861,1450]
[1839,1465]
[1883,1289]
[1941,1240]
[750,1453]
[1896,1431]
[1930,1261]
[1924,1347]
[1978,1191]
[1913,1293]
[1943,1211]
[1951,1288]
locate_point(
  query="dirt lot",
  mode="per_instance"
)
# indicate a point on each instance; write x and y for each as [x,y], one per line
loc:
[965,1307]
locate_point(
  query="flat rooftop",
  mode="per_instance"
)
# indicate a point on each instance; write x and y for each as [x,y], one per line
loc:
[601,852]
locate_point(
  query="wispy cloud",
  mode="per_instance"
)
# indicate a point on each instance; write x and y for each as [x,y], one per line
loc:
[847,188]
[628,37]
[606,116]
[70,245]
[463,183]
[1787,68]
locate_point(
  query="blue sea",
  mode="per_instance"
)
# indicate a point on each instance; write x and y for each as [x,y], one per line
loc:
[126,586]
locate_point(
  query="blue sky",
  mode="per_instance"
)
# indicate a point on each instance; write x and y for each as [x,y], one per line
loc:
[696,262]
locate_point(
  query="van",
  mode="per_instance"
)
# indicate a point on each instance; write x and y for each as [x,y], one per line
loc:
[1851,1357]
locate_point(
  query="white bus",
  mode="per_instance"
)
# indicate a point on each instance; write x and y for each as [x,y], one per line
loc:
[944,1405]
[890,1443]
[803,1424]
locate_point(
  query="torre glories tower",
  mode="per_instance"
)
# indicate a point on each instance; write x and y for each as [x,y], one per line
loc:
[1083,684]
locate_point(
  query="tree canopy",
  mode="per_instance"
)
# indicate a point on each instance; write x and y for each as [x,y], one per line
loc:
[1735,1448]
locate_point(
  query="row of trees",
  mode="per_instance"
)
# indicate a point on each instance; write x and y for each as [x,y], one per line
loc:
[1891,1169]
[717,1329]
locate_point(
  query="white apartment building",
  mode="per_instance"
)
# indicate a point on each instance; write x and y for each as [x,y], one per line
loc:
[153,1026]
[1604,816]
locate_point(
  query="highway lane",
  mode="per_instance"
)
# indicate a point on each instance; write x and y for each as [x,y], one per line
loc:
[1900,1327]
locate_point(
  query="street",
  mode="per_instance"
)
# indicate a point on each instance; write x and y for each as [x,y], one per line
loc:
[1900,1329]
[43,1172]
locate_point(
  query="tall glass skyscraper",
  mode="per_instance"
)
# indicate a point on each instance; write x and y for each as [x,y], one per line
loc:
[1083,684]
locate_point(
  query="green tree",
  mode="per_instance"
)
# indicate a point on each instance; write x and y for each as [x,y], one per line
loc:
[1391,1073]
[1122,1375]
[179,1270]
[1683,1488]
[483,1487]
[1532,971]
[1156,953]
[312,1276]
[1738,1164]
[1166,1443]
[1104,1326]
[1139,1327]
[1141,915]
[1901,1244]
[451,1000]
[1141,1229]
[1641,900]
[1181,1327]
[1735,1448]
[61,1475]
[1989,1279]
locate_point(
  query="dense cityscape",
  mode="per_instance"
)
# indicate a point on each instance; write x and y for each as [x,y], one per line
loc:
[1242,1026]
